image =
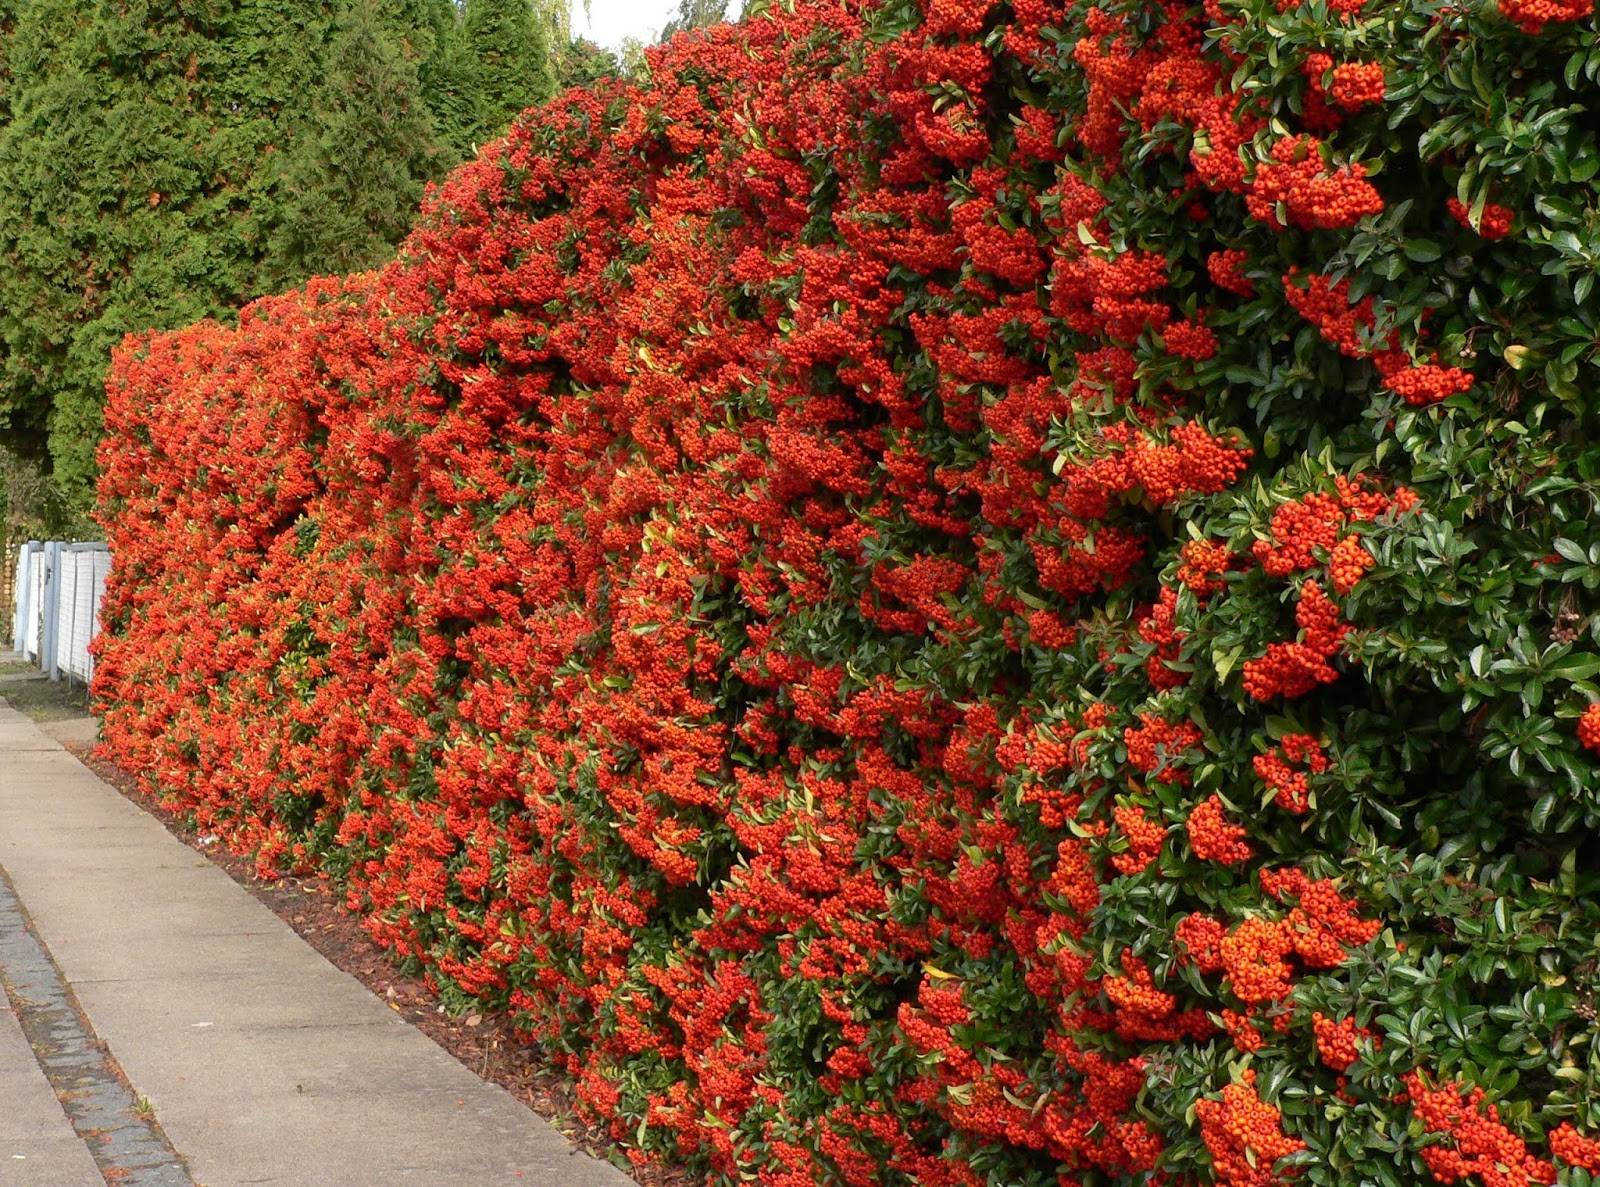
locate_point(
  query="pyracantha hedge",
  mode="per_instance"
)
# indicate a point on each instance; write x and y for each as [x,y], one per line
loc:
[945,593]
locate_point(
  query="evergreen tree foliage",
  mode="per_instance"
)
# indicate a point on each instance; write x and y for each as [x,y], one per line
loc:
[263,75]
[411,26]
[450,79]
[8,29]
[584,62]
[357,171]
[165,160]
[695,14]
[107,168]
[510,41]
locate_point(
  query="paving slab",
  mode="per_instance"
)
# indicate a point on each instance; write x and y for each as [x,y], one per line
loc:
[263,1063]
[80,731]
[37,1142]
[109,1122]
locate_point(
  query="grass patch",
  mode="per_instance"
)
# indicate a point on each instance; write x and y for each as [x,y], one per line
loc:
[26,690]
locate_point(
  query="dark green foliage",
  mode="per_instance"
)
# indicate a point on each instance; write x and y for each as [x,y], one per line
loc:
[412,26]
[8,28]
[108,187]
[165,160]
[450,79]
[510,42]
[262,74]
[583,63]
[31,508]
[695,14]
[362,158]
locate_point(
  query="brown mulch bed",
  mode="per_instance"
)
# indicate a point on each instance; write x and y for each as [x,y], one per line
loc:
[485,1043]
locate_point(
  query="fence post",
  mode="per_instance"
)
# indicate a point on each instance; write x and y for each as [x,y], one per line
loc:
[36,600]
[19,630]
[52,609]
[69,604]
[97,590]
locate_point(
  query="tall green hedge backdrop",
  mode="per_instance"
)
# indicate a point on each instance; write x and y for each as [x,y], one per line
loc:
[168,160]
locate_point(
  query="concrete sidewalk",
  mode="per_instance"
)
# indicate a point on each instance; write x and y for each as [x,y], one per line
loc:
[38,1147]
[261,1062]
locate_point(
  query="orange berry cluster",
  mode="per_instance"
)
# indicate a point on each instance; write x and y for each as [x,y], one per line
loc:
[1154,745]
[1293,669]
[1204,563]
[1318,930]
[1567,1144]
[1337,1041]
[1241,1028]
[1299,531]
[1348,561]
[1145,838]
[1190,340]
[1190,461]
[1313,198]
[1200,941]
[1136,990]
[1213,836]
[1145,1013]
[1245,1136]
[1479,1144]
[1226,268]
[1318,115]
[1194,461]
[1255,958]
[1097,295]
[1531,16]
[1303,527]
[1356,84]
[1326,305]
[1493,223]
[1420,384]
[1159,629]
[1046,628]
[1589,728]
[1323,923]
[1293,786]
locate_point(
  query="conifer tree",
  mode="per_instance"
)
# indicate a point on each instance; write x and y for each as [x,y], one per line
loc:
[263,76]
[410,25]
[450,82]
[356,173]
[510,41]
[695,14]
[106,194]
[166,160]
[583,63]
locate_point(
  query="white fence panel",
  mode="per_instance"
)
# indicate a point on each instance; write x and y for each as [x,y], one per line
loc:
[36,600]
[57,610]
[78,610]
[66,587]
[100,572]
[20,589]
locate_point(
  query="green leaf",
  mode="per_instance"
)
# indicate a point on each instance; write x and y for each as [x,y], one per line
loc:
[1540,816]
[1572,550]
[1575,667]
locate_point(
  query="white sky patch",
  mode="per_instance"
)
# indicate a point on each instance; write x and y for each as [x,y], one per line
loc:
[609,22]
